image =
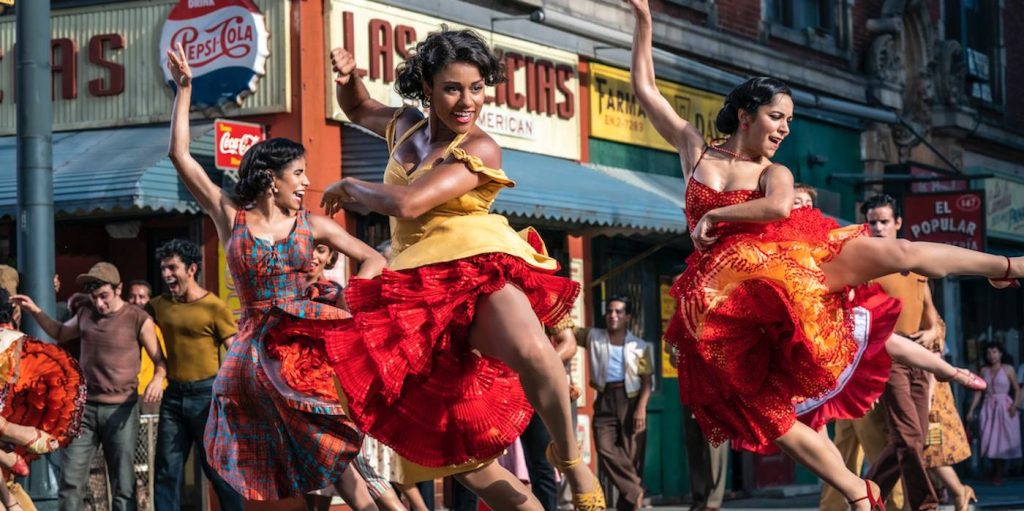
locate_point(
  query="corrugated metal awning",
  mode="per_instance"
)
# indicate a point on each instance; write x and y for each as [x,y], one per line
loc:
[549,190]
[110,170]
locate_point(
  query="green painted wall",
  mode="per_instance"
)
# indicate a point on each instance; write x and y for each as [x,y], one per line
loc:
[640,159]
[841,146]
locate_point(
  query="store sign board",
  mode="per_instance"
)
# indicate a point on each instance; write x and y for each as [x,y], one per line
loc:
[956,218]
[106,65]
[1005,207]
[616,115]
[536,110]
[225,43]
[233,139]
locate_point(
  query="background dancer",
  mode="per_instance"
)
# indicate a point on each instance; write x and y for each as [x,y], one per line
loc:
[461,284]
[277,428]
[30,368]
[754,248]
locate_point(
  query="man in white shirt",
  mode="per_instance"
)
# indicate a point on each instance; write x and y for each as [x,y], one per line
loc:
[620,370]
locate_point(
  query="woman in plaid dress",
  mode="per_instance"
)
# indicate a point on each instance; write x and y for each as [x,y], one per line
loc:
[277,427]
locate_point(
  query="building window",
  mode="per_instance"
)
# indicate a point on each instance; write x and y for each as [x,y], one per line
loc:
[977,26]
[812,15]
[821,25]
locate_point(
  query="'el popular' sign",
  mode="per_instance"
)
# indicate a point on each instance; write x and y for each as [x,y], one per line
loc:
[956,218]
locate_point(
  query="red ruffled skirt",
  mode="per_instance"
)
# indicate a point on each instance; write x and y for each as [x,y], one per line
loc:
[758,332]
[49,393]
[404,362]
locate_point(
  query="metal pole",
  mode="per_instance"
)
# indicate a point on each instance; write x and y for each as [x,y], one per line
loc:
[35,189]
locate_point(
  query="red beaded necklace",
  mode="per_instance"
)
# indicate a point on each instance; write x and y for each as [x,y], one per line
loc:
[738,156]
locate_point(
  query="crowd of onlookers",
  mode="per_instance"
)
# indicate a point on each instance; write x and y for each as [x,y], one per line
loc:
[180,335]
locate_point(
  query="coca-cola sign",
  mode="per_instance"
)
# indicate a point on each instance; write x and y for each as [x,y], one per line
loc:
[233,140]
[225,42]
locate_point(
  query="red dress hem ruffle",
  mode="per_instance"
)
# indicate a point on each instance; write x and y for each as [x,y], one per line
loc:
[410,377]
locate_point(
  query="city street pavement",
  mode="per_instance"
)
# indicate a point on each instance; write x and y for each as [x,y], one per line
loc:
[1009,495]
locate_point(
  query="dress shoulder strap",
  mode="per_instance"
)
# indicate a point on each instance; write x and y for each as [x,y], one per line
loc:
[392,125]
[701,157]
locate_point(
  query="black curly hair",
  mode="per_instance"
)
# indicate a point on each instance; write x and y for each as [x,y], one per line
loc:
[261,163]
[748,96]
[6,309]
[440,49]
[187,251]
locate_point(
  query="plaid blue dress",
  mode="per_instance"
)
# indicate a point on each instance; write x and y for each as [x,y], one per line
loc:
[276,427]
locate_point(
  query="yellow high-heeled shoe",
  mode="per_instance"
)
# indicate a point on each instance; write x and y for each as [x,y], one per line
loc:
[592,500]
[965,503]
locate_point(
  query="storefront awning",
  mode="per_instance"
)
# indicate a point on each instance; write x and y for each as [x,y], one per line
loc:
[109,171]
[549,190]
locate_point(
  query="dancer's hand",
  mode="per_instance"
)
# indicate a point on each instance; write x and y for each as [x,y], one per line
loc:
[343,64]
[1013,410]
[337,198]
[26,302]
[926,338]
[640,7]
[702,239]
[177,63]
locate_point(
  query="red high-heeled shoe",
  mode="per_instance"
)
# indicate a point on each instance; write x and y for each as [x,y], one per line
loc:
[1006,281]
[974,382]
[19,467]
[875,501]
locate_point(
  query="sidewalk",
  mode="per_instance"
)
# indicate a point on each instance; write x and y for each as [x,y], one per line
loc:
[1008,496]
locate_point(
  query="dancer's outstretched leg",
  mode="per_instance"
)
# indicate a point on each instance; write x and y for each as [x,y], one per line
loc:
[505,327]
[352,487]
[812,450]
[499,488]
[912,354]
[867,258]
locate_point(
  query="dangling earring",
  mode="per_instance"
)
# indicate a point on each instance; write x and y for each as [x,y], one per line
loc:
[273,190]
[745,125]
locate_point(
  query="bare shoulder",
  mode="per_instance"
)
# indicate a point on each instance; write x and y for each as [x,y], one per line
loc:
[482,146]
[408,118]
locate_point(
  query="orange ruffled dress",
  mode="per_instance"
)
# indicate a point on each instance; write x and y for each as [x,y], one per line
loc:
[758,333]
[411,379]
[41,387]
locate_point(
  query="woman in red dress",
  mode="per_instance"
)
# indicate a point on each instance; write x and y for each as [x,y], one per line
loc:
[447,351]
[763,319]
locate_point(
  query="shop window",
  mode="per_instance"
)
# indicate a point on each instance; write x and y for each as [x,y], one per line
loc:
[819,24]
[977,26]
[699,5]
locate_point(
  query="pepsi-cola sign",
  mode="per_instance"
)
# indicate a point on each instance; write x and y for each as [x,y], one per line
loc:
[226,44]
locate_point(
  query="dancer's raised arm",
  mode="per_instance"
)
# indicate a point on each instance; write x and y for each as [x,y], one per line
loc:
[353,97]
[210,196]
[677,131]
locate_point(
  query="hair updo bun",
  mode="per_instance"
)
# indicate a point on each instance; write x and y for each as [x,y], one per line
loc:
[440,49]
[261,163]
[748,96]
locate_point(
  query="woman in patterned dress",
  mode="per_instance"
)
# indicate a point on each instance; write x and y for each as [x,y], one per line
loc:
[277,427]
[951,446]
[763,320]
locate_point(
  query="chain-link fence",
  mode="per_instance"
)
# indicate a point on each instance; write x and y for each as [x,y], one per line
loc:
[98,498]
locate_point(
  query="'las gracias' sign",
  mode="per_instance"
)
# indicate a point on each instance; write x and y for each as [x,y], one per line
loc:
[225,42]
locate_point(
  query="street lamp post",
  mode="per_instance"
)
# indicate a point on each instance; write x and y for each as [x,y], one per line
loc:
[35,189]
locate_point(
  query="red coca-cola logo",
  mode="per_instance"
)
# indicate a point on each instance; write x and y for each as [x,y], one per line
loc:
[232,38]
[968,203]
[233,140]
[236,145]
